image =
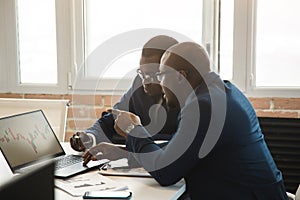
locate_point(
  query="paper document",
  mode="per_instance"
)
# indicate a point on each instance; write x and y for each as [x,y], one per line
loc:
[78,185]
[121,168]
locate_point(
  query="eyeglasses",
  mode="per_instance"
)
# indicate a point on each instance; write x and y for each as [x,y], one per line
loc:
[155,77]
[160,75]
[149,77]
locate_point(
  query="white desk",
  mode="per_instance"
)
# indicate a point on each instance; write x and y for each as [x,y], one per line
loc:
[142,188]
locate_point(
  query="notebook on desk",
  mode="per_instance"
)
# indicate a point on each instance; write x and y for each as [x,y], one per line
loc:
[27,140]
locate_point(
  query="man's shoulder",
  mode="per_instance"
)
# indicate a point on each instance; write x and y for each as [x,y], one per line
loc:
[137,83]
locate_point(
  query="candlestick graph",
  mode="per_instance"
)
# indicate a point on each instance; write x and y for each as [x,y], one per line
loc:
[9,136]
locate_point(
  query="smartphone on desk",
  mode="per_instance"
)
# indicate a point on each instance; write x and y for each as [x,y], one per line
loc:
[107,195]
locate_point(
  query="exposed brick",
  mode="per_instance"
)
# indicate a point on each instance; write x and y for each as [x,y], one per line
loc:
[111,100]
[80,124]
[115,99]
[260,103]
[97,112]
[277,114]
[43,96]
[70,112]
[86,109]
[108,100]
[11,95]
[87,100]
[78,112]
[68,135]
[287,103]
[68,96]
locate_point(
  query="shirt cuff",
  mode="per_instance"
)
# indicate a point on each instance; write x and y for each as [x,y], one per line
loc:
[93,138]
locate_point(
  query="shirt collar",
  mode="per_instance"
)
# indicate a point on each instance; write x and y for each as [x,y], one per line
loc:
[208,78]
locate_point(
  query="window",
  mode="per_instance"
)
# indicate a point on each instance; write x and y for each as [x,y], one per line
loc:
[37,41]
[113,36]
[277,62]
[35,48]
[226,39]
[94,45]
[259,46]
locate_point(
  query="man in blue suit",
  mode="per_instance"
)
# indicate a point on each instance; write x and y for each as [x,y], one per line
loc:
[218,147]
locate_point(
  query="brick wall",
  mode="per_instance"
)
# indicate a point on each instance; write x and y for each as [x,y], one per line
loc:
[84,110]
[276,107]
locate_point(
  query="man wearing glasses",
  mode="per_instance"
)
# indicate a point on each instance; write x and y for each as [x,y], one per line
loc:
[218,148]
[144,99]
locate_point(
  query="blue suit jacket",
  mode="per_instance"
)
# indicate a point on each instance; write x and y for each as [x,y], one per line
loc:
[228,163]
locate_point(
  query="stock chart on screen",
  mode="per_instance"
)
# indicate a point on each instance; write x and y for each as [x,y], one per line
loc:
[27,137]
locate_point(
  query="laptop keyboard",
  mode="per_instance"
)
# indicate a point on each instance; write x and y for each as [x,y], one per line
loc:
[67,161]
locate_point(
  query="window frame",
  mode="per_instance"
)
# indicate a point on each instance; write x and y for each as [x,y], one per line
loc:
[10,57]
[71,45]
[244,54]
[83,83]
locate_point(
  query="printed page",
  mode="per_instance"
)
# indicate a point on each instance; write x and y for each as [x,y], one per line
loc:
[78,185]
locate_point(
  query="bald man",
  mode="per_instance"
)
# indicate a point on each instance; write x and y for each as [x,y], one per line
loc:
[218,148]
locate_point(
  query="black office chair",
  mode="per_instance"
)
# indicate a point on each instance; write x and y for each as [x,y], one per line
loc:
[35,185]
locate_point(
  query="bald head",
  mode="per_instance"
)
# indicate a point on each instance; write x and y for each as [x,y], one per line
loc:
[158,45]
[150,61]
[188,56]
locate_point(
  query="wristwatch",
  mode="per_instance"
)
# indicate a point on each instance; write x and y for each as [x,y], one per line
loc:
[129,128]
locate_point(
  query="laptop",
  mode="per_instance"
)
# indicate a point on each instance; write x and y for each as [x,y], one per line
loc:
[27,140]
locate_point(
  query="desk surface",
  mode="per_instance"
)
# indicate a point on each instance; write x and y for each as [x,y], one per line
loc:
[141,187]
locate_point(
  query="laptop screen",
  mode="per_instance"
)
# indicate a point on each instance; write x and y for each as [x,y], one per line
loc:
[27,137]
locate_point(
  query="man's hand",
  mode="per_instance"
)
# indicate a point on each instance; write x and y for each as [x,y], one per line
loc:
[125,122]
[104,150]
[106,112]
[80,141]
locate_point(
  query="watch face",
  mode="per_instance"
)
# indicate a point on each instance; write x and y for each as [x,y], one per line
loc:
[129,128]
